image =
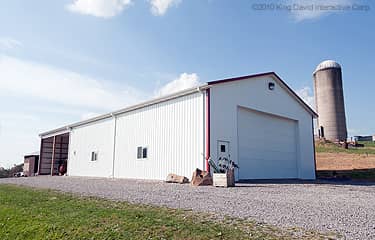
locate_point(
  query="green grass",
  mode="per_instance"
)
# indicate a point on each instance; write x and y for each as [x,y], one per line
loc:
[355,174]
[369,148]
[27,213]
[368,143]
[363,175]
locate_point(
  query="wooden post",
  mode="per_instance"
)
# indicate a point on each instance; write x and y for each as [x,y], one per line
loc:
[53,154]
[40,155]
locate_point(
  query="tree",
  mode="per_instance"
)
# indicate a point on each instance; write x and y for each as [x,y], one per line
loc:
[5,173]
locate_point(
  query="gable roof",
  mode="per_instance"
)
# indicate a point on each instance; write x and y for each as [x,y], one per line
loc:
[185,92]
[275,77]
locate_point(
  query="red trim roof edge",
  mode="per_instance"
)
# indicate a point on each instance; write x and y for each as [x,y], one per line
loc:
[240,78]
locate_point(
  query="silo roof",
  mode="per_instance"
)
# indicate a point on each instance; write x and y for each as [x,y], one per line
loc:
[327,64]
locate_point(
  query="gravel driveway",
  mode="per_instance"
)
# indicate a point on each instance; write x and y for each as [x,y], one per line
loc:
[346,208]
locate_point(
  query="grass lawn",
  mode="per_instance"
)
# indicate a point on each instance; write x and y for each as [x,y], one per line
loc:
[369,148]
[368,143]
[27,213]
[363,175]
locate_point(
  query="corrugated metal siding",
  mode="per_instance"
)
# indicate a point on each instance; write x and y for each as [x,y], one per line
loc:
[98,137]
[172,131]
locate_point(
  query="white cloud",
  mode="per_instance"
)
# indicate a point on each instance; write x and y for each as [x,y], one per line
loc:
[36,97]
[9,44]
[64,88]
[18,77]
[310,9]
[160,7]
[99,8]
[184,81]
[307,95]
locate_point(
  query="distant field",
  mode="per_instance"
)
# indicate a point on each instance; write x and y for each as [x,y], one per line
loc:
[27,213]
[320,147]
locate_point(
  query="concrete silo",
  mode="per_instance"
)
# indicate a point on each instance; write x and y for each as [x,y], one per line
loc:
[329,100]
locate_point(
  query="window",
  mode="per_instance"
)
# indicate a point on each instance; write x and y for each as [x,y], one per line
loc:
[141,152]
[94,156]
[222,148]
[144,153]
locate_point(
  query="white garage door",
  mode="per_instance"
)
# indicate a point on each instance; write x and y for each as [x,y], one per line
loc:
[267,146]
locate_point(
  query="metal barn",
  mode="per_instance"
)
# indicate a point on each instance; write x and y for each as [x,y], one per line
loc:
[255,120]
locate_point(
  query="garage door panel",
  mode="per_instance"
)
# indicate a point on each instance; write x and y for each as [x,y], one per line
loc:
[267,146]
[258,160]
[264,147]
[269,170]
[279,156]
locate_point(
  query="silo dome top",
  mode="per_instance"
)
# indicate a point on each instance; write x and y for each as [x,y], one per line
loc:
[327,64]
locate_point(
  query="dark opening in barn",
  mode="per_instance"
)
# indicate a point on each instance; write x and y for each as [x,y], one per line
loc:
[54,155]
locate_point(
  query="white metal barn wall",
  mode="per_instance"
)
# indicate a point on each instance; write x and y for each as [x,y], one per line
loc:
[172,131]
[254,94]
[97,137]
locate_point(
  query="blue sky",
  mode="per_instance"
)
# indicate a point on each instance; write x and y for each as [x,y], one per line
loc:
[66,60]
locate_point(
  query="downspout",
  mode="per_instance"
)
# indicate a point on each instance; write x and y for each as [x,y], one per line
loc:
[114,145]
[207,129]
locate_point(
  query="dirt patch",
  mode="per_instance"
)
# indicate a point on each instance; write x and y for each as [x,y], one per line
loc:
[344,161]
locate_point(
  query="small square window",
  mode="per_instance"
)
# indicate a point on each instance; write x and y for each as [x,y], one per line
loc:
[139,152]
[222,148]
[94,156]
[144,153]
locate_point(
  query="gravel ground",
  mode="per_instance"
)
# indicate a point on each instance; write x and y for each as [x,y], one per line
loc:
[346,208]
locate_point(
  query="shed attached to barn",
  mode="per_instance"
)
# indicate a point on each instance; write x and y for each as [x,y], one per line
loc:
[256,120]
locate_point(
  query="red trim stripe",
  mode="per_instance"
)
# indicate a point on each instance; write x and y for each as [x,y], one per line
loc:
[207,129]
[240,78]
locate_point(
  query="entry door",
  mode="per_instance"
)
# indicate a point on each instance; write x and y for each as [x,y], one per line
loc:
[223,149]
